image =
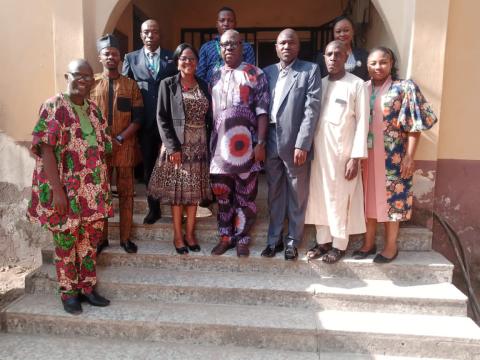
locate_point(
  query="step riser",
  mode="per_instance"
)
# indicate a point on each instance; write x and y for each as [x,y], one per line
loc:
[221,335]
[415,273]
[407,241]
[40,284]
[296,340]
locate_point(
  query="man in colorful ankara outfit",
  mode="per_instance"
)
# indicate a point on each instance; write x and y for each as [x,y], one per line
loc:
[121,103]
[70,192]
[240,107]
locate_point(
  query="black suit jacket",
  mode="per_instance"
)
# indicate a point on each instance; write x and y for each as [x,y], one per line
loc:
[361,56]
[135,67]
[171,114]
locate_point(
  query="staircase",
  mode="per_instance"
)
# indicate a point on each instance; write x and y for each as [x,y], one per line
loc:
[167,306]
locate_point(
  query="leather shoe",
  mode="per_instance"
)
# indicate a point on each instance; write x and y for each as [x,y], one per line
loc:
[195,247]
[94,299]
[380,259]
[151,217]
[102,246]
[271,251]
[72,305]
[224,244]
[291,253]
[129,247]
[318,251]
[242,250]
[359,255]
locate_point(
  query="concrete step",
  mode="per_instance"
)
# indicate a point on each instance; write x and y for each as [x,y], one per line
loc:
[410,238]
[415,267]
[42,347]
[265,327]
[321,293]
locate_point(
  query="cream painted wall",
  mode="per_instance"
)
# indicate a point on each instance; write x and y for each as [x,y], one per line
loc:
[27,62]
[460,123]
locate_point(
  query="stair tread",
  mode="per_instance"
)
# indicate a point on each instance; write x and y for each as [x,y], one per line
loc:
[318,285]
[246,316]
[33,347]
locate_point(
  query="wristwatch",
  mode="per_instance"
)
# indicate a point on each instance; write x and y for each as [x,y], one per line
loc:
[119,138]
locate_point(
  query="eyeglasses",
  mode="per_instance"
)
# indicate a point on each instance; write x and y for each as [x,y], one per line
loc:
[78,76]
[230,44]
[186,58]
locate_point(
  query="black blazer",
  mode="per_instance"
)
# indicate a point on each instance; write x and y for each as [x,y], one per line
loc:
[361,56]
[171,113]
[135,67]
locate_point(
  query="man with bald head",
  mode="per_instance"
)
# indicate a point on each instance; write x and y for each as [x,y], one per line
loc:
[335,202]
[148,66]
[240,106]
[295,89]
[70,192]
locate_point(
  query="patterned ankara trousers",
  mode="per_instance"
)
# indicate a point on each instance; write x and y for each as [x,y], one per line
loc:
[124,181]
[236,204]
[75,258]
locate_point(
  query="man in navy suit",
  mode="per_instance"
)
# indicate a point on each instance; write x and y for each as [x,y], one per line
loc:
[148,66]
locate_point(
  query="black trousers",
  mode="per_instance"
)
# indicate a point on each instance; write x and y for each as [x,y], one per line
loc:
[150,144]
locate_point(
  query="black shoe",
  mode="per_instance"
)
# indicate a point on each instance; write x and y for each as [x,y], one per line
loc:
[129,247]
[94,299]
[380,259]
[72,305]
[102,246]
[271,251]
[194,248]
[151,217]
[359,255]
[291,253]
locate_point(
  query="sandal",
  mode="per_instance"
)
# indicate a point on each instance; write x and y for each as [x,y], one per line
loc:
[333,256]
[318,251]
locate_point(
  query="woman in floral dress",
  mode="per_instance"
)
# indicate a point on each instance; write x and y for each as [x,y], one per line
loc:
[181,175]
[398,114]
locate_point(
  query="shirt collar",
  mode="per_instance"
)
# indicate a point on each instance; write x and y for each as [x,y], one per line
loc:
[286,68]
[146,51]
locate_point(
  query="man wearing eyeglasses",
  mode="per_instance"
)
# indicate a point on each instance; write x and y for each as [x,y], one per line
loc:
[70,192]
[121,103]
[210,58]
[240,106]
[148,66]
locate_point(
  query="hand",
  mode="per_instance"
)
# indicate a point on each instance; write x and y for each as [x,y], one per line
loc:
[407,167]
[60,202]
[351,169]
[259,152]
[176,158]
[299,157]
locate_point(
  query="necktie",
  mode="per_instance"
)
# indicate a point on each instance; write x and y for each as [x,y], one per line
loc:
[152,64]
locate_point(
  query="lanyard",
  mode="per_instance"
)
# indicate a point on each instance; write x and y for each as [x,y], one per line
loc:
[373,97]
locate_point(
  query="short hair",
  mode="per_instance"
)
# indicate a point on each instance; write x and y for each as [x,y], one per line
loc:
[179,50]
[391,54]
[226,8]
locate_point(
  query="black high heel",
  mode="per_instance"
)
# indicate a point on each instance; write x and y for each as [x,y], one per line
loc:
[182,250]
[194,248]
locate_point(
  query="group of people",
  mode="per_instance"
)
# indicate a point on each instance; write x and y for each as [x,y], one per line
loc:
[337,151]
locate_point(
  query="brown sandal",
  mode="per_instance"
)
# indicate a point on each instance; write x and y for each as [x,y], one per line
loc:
[333,256]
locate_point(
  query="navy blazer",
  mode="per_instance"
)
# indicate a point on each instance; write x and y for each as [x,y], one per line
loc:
[135,67]
[361,56]
[171,113]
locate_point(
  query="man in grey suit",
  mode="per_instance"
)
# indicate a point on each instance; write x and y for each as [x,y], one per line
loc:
[148,66]
[295,89]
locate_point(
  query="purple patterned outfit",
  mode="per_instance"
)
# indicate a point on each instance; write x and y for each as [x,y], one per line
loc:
[239,96]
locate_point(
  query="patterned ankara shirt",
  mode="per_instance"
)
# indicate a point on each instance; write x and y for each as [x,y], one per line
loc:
[120,101]
[239,96]
[211,60]
[81,168]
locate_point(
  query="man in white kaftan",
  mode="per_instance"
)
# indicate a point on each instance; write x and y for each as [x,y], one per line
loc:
[335,203]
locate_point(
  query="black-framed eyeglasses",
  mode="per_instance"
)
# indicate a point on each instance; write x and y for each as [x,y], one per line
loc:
[230,44]
[78,76]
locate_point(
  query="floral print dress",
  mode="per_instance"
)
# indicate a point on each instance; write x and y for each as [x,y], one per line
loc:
[399,108]
[81,166]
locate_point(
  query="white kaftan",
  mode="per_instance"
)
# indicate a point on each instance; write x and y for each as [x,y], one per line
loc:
[340,135]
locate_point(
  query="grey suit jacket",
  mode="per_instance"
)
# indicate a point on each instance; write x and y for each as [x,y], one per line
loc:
[135,67]
[299,108]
